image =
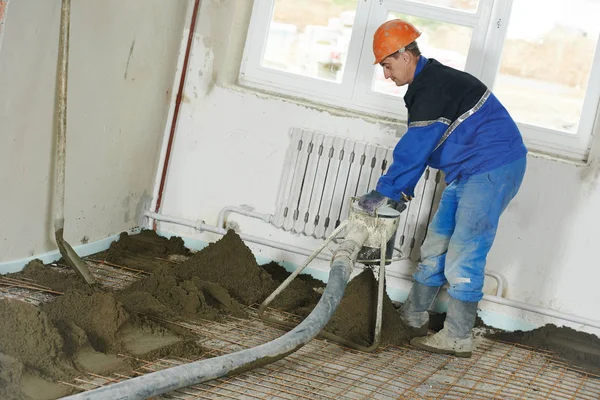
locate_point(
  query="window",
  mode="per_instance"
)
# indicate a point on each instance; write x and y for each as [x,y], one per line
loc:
[536,55]
[448,43]
[545,68]
[310,41]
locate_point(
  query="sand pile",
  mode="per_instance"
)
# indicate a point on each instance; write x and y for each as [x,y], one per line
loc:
[163,295]
[28,335]
[231,264]
[87,317]
[301,295]
[581,349]
[45,276]
[72,334]
[84,329]
[355,317]
[145,251]
[217,281]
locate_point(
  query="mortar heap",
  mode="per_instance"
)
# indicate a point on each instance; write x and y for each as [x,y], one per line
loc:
[85,328]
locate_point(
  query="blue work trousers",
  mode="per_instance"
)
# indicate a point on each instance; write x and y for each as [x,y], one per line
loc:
[463,230]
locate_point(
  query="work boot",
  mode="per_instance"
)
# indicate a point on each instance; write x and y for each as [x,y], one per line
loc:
[456,337]
[414,310]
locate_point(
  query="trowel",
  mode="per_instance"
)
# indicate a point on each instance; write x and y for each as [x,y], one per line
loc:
[70,256]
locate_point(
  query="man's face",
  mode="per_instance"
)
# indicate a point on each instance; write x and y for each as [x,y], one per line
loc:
[398,69]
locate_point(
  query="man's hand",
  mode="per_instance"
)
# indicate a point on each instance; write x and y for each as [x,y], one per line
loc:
[400,205]
[372,201]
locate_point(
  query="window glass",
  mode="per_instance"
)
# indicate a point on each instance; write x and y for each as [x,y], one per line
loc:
[546,61]
[310,37]
[462,5]
[447,43]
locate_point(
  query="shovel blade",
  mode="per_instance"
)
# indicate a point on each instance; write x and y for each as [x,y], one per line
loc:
[73,259]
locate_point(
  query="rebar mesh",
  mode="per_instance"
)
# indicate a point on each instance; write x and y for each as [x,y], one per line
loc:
[325,370]
[25,290]
[108,275]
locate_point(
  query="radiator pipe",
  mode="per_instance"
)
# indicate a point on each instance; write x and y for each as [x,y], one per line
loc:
[157,383]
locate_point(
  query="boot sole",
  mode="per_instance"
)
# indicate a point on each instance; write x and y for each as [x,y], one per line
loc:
[462,354]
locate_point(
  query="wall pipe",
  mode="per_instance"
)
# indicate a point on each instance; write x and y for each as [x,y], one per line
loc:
[200,226]
[157,383]
[269,219]
[178,99]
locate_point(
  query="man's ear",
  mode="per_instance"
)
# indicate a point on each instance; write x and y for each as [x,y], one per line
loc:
[406,57]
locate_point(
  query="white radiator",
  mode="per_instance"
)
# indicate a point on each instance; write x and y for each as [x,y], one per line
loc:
[321,174]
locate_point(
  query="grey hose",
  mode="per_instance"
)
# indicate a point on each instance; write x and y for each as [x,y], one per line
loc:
[167,380]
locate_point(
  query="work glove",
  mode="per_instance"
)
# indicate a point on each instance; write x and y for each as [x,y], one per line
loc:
[399,205]
[372,201]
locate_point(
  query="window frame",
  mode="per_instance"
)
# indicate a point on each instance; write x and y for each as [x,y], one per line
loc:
[489,24]
[253,74]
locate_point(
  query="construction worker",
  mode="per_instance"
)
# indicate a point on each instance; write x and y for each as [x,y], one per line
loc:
[457,125]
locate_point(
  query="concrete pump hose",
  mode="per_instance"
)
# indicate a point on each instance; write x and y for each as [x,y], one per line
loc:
[167,380]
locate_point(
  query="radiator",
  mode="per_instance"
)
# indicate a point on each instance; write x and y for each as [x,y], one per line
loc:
[323,172]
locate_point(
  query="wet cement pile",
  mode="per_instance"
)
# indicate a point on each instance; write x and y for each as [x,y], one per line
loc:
[226,274]
[84,329]
[219,280]
[580,349]
[355,318]
[145,251]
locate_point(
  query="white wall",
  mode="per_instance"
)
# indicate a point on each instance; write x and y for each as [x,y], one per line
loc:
[123,58]
[230,147]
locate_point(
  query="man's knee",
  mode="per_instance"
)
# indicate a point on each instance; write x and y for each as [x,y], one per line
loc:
[465,284]
[465,293]
[435,245]
[431,272]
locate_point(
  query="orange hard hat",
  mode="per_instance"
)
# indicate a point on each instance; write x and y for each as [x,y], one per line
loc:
[391,37]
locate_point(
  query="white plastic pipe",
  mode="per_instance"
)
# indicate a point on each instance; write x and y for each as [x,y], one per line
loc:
[201,226]
[269,218]
[542,310]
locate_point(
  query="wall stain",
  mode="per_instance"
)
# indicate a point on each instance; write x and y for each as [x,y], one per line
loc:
[129,58]
[3,5]
[590,176]
[142,206]
[126,207]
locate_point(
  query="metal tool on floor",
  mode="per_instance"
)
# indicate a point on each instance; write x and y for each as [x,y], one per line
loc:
[377,248]
[65,248]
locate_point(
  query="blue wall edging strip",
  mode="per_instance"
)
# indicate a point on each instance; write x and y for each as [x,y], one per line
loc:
[82,250]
